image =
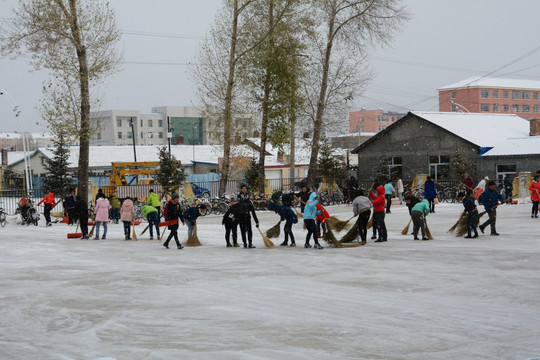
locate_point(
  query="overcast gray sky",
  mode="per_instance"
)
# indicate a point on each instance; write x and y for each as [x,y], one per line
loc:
[444,42]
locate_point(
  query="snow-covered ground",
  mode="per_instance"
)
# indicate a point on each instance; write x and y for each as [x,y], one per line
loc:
[450,298]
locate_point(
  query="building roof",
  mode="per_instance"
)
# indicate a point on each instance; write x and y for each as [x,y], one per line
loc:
[102,156]
[484,130]
[516,146]
[477,81]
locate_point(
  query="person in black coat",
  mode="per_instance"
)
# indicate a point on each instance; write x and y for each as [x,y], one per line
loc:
[303,196]
[411,200]
[471,211]
[173,213]
[230,221]
[246,212]
[287,214]
[70,206]
[81,212]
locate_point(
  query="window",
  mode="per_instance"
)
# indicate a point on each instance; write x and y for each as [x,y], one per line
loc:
[495,107]
[99,136]
[495,94]
[505,170]
[129,135]
[484,93]
[119,122]
[535,108]
[516,108]
[362,119]
[526,108]
[160,123]
[362,128]
[141,122]
[439,167]
[142,136]
[98,124]
[505,108]
[484,107]
[119,134]
[395,167]
[526,95]
[535,95]
[516,94]
[505,94]
[160,135]
[453,95]
[150,123]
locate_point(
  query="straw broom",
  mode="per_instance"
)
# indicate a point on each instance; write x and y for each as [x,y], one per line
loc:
[330,238]
[146,228]
[274,231]
[428,233]
[337,224]
[350,236]
[193,239]
[451,230]
[266,240]
[405,230]
[298,214]
[134,234]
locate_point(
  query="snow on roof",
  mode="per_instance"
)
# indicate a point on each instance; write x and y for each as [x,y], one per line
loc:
[516,146]
[355,134]
[102,156]
[482,129]
[477,81]
[16,156]
[17,135]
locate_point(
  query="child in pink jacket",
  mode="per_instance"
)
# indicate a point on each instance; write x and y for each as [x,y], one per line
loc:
[127,215]
[102,215]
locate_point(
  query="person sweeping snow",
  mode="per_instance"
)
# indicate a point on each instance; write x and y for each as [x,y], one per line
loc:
[418,214]
[310,212]
[287,214]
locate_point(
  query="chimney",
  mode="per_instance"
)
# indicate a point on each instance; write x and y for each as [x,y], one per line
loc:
[4,158]
[535,127]
[280,156]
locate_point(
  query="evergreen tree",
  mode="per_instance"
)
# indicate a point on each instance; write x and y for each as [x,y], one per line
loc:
[330,168]
[169,175]
[58,180]
[460,164]
[382,171]
[252,174]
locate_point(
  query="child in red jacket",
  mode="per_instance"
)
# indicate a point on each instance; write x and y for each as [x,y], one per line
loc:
[321,220]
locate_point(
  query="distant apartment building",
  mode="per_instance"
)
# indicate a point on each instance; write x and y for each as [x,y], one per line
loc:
[13,141]
[371,121]
[185,125]
[492,95]
[350,141]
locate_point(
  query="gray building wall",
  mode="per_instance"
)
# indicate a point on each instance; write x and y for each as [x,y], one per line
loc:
[414,140]
[523,163]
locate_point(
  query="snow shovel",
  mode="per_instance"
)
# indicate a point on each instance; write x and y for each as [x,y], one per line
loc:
[75,235]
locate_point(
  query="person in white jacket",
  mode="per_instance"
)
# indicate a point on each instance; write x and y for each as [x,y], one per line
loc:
[399,186]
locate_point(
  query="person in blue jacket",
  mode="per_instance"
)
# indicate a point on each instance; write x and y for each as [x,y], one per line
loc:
[287,214]
[490,199]
[310,212]
[191,215]
[418,214]
[430,193]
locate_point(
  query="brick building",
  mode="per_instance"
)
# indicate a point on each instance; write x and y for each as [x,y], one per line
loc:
[492,95]
[371,121]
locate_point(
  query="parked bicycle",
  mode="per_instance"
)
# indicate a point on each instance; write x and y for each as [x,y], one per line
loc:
[3,217]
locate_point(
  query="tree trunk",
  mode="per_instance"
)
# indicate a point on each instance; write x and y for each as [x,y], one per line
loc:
[84,138]
[266,100]
[227,113]
[318,123]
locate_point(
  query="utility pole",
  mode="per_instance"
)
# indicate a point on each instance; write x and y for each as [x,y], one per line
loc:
[169,134]
[133,137]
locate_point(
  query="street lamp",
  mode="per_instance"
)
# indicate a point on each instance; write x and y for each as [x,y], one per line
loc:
[27,167]
[133,137]
[458,106]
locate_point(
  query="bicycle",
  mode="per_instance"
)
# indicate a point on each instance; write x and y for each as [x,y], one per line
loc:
[3,217]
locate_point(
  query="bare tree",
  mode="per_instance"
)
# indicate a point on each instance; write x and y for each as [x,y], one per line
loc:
[75,40]
[220,59]
[348,27]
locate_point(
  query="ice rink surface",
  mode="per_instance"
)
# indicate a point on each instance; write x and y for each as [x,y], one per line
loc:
[449,298]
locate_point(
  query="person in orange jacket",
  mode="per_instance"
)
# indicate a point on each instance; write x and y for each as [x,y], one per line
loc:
[49,204]
[321,220]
